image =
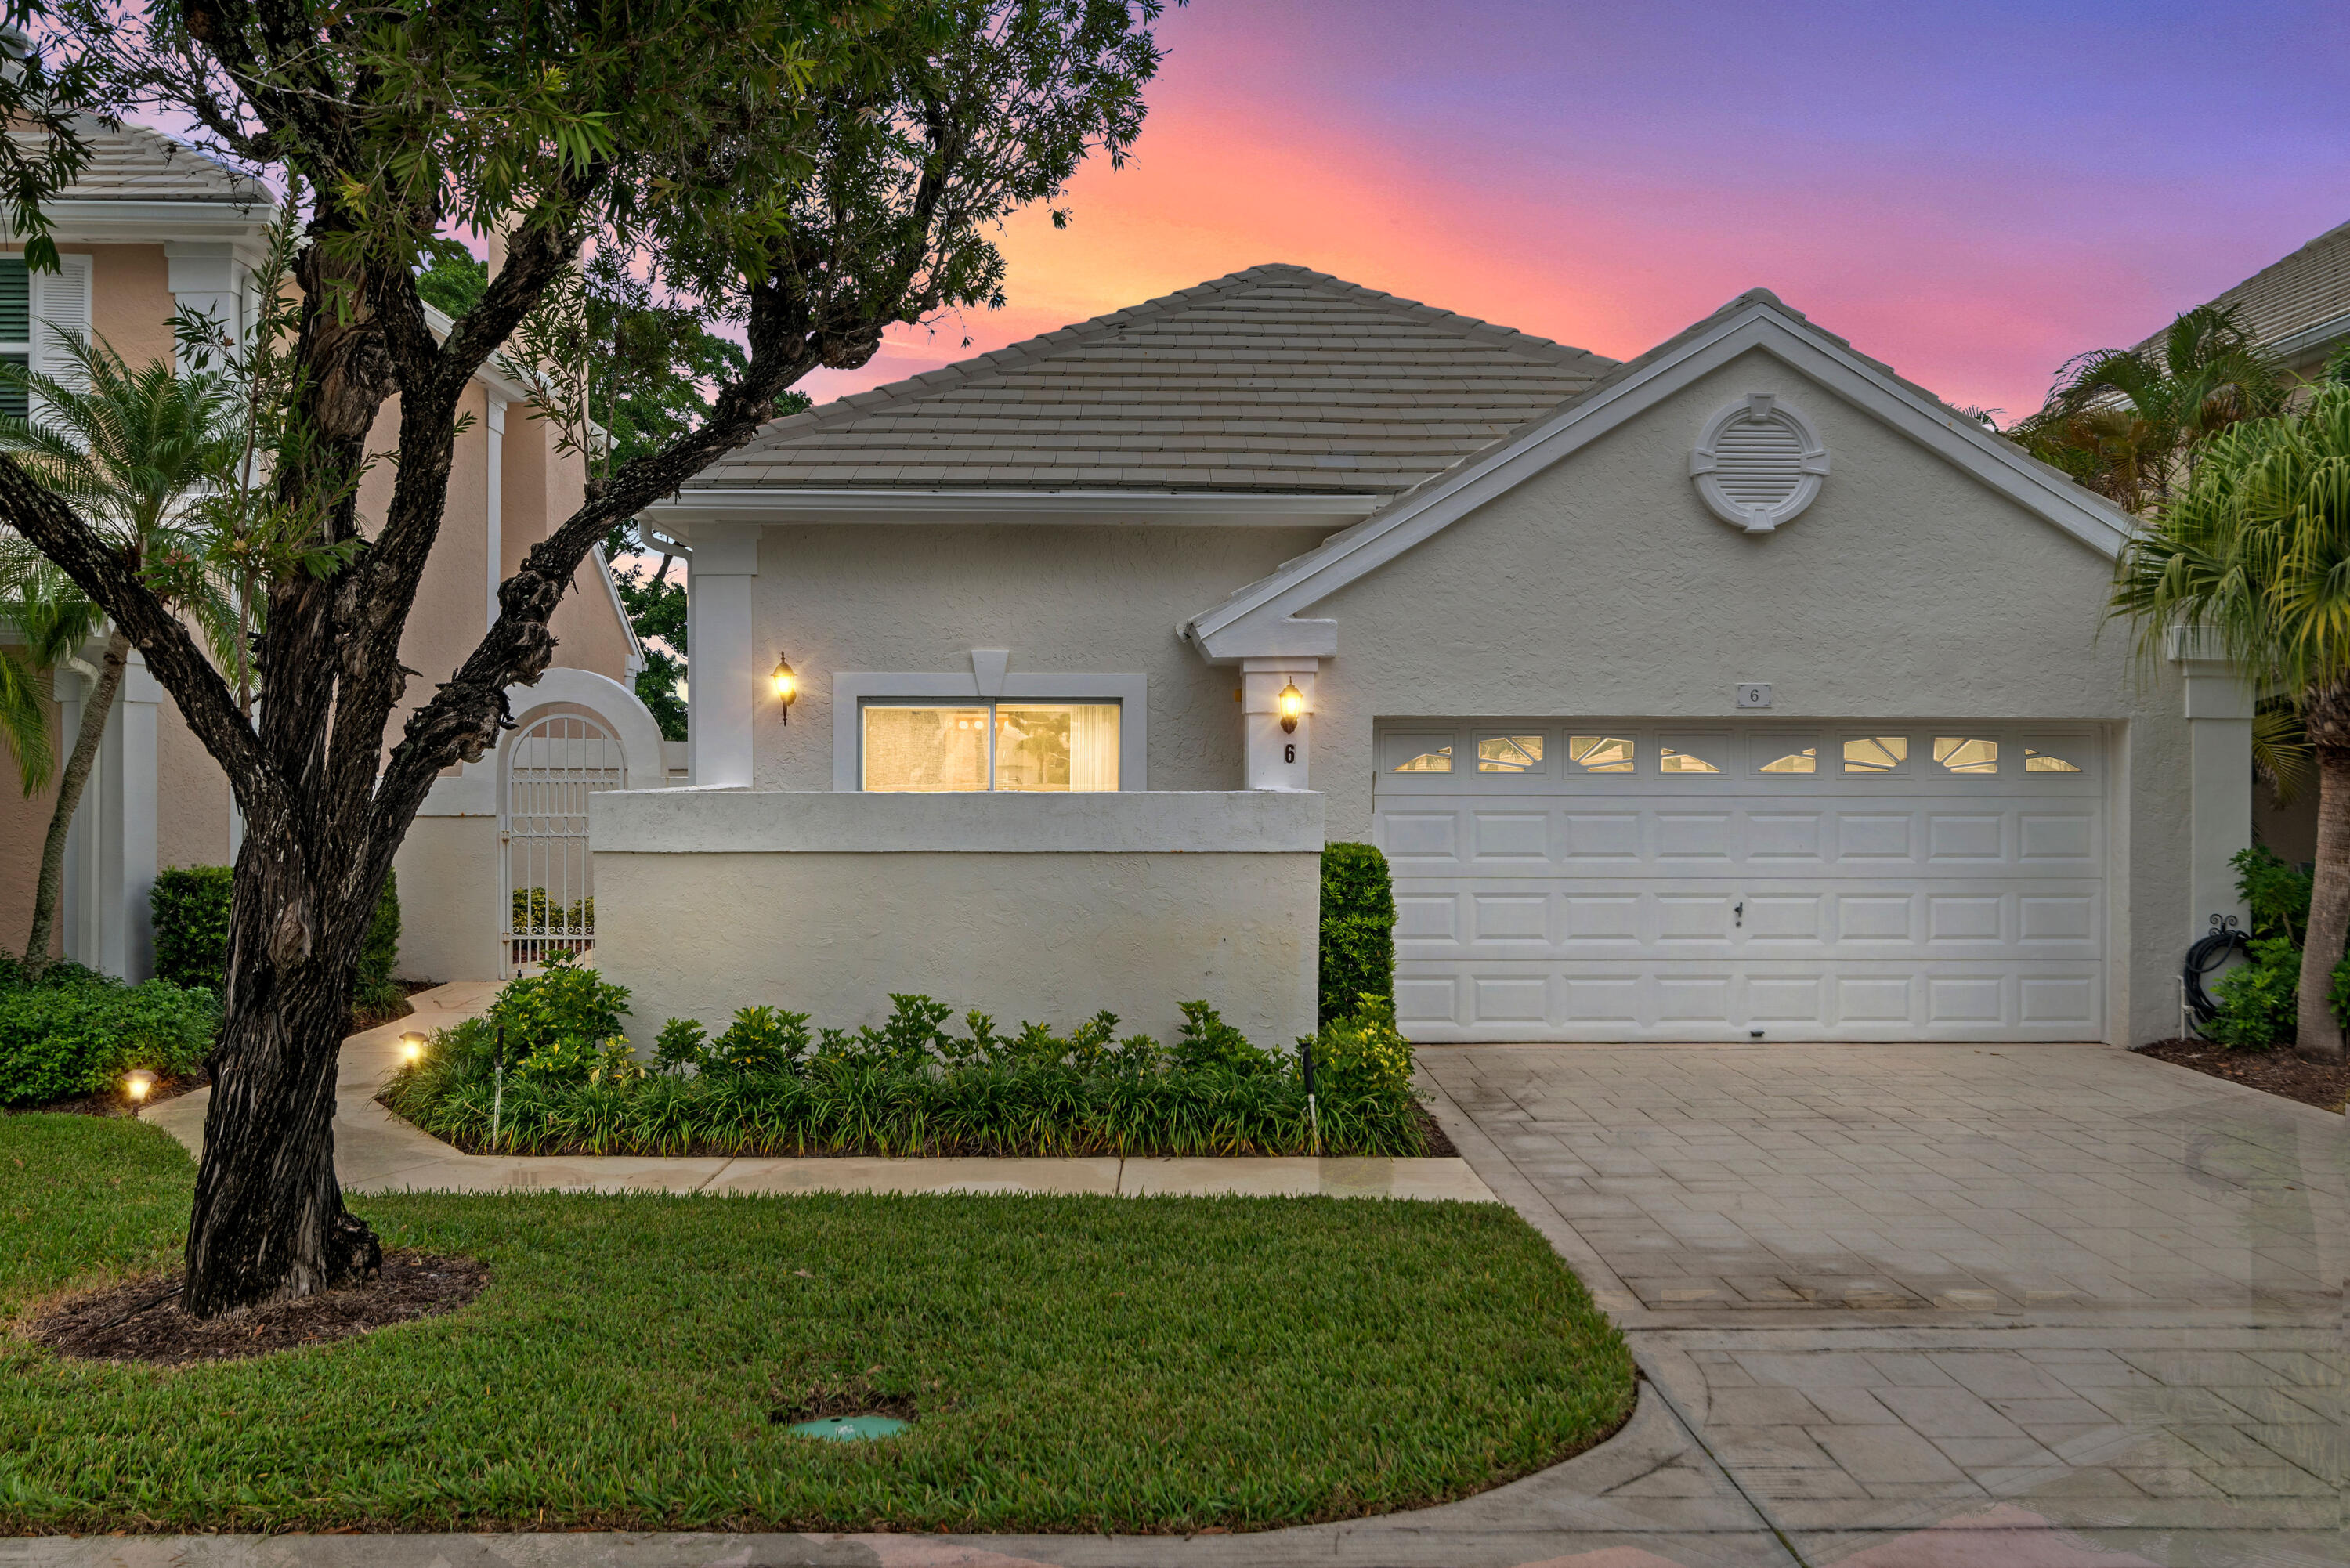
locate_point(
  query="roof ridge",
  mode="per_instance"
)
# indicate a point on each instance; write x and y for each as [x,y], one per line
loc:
[1044,345]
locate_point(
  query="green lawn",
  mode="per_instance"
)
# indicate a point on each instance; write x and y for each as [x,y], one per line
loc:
[1078,1363]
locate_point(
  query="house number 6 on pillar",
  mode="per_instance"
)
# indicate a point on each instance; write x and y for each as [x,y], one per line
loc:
[1277,709]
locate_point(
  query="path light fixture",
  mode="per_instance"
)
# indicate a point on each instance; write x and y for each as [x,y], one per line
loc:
[411,1047]
[788,685]
[1293,707]
[138,1083]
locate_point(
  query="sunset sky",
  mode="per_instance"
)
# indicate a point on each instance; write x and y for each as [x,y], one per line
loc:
[1972,192]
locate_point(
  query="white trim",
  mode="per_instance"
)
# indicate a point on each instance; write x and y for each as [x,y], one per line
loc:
[100,221]
[850,688]
[812,822]
[1263,619]
[712,503]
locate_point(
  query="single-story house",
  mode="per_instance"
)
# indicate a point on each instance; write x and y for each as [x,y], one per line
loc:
[1742,691]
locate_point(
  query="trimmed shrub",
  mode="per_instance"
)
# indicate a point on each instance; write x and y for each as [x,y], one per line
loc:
[78,1038]
[908,1087]
[190,907]
[1358,917]
[380,952]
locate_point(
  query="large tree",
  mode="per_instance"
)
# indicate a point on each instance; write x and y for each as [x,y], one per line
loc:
[811,172]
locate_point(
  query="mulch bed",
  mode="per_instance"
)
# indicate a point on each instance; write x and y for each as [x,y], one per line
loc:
[142,1321]
[2276,1071]
[1439,1146]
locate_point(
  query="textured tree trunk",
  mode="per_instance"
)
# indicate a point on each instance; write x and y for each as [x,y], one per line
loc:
[2320,1036]
[50,890]
[269,1223]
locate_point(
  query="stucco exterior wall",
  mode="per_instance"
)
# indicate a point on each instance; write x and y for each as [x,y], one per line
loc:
[449,889]
[1025,908]
[1069,598]
[24,826]
[130,303]
[193,819]
[1907,589]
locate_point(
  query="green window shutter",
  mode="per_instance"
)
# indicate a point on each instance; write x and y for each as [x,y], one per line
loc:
[16,301]
[12,394]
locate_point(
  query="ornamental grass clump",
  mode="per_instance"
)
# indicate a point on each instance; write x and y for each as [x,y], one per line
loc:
[770,1083]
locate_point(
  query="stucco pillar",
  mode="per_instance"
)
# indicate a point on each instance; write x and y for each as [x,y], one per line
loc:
[2219,738]
[1277,759]
[110,851]
[722,693]
[493,505]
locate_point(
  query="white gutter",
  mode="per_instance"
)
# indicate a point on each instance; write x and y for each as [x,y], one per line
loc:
[876,504]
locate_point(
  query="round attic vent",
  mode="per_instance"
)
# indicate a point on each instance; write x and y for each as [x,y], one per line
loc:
[1758,462]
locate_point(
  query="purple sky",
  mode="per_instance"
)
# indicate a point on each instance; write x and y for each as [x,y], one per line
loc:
[1973,193]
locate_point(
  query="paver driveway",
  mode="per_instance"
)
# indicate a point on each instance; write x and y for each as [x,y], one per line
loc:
[2059,1293]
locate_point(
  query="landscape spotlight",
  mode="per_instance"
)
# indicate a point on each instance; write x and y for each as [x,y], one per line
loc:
[138,1083]
[411,1047]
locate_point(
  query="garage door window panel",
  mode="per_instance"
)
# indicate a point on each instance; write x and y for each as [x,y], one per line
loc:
[1875,753]
[1510,754]
[1971,754]
[1603,753]
[1683,756]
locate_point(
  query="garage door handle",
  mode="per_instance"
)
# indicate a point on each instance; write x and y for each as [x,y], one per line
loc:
[1739,912]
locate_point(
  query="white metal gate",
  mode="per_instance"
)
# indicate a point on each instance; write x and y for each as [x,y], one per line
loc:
[553,766]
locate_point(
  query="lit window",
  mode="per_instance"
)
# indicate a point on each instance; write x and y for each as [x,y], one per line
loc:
[1439,761]
[1962,754]
[1875,753]
[1669,760]
[1062,747]
[1600,754]
[1806,760]
[1510,754]
[2039,761]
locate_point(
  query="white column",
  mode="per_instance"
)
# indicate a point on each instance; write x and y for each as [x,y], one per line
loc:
[136,713]
[2220,768]
[494,499]
[205,277]
[1277,758]
[723,700]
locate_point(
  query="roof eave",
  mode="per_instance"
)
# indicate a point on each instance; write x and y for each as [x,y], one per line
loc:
[877,504]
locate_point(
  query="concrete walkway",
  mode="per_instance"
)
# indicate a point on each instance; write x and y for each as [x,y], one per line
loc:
[375,1151]
[1897,1307]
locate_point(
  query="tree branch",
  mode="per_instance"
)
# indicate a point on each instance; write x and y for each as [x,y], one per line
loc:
[171,654]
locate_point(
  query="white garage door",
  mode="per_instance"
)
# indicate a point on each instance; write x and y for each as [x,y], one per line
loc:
[1629,880]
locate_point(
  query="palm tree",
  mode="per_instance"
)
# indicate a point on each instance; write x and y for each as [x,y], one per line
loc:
[2130,423]
[2255,551]
[133,448]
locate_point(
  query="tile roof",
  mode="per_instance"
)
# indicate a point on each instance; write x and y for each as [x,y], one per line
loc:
[2310,288]
[1270,379]
[132,164]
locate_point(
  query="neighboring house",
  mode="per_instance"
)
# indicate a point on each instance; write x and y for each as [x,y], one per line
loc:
[2299,307]
[1744,691]
[152,228]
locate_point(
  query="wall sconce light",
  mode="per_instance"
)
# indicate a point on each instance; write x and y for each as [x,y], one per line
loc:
[788,685]
[1293,706]
[411,1047]
[138,1083]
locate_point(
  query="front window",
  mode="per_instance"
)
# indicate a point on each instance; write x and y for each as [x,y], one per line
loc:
[1030,745]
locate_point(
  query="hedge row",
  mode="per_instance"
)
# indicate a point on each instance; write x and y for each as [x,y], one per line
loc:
[75,1032]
